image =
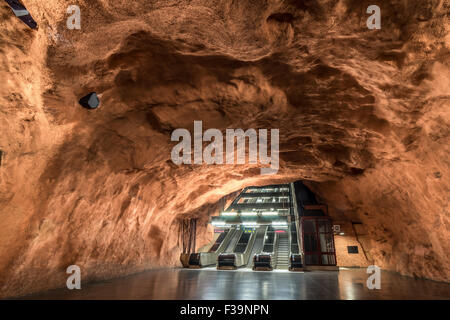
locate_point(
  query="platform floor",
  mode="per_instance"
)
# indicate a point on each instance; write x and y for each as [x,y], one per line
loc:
[171,284]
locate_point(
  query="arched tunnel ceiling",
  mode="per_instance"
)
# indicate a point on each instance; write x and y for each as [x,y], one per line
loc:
[363,118]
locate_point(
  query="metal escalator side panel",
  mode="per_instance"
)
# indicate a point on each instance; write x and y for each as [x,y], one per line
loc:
[219,241]
[233,242]
[201,259]
[226,241]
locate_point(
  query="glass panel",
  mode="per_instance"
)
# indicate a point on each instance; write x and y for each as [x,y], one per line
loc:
[323,242]
[324,226]
[308,259]
[331,259]
[312,259]
[309,226]
[318,252]
[330,243]
[311,243]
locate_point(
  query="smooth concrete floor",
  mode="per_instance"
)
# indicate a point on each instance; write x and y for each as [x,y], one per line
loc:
[210,284]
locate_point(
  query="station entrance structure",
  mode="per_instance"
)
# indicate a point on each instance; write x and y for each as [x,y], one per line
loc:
[271,227]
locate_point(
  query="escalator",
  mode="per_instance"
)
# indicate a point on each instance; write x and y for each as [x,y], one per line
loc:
[232,243]
[219,241]
[282,251]
[258,245]
[239,255]
[263,261]
[223,241]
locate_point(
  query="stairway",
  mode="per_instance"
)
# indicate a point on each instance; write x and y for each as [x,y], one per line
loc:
[283,252]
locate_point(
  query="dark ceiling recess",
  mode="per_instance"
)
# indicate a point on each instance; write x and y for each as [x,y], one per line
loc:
[281,17]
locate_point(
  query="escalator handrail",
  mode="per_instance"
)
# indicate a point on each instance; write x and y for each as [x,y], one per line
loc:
[275,250]
[234,241]
[297,221]
[261,231]
[250,244]
[226,241]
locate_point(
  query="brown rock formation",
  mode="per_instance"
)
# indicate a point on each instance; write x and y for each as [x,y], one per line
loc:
[363,115]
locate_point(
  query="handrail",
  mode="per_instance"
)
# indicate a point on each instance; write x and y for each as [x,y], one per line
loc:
[289,238]
[209,258]
[275,251]
[297,222]
[225,241]
[257,246]
[235,240]
[249,247]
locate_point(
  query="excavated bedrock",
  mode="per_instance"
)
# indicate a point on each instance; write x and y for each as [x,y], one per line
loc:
[363,118]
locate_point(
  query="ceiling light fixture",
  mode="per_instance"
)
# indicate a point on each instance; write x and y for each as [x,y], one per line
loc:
[269,213]
[228,214]
[247,214]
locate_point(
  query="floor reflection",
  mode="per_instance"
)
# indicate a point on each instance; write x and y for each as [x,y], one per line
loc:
[209,284]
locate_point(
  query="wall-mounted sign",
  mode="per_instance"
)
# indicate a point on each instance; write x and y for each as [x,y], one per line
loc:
[336,228]
[352,249]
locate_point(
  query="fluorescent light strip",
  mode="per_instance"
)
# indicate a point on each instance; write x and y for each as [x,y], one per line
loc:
[269,213]
[249,213]
[249,224]
[228,214]
[279,223]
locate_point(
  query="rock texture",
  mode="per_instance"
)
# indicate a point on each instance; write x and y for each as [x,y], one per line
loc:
[363,116]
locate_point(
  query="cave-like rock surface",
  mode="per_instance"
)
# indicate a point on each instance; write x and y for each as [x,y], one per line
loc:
[363,118]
